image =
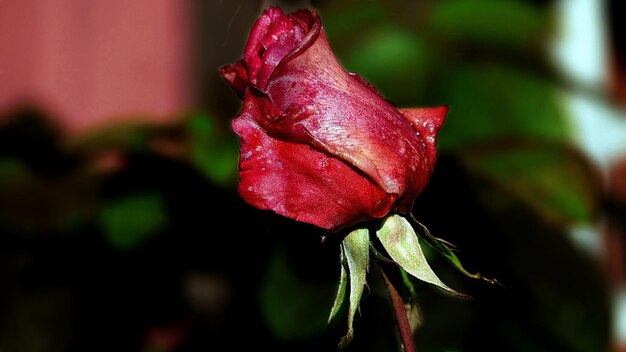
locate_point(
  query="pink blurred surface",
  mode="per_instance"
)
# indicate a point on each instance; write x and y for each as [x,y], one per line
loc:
[90,63]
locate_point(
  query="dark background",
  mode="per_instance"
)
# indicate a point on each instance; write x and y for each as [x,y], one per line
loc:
[132,237]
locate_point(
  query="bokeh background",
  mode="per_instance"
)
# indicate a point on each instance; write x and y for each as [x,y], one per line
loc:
[121,228]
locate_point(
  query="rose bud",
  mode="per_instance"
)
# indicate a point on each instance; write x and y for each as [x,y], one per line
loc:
[318,144]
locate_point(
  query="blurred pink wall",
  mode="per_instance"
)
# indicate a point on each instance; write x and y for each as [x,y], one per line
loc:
[90,62]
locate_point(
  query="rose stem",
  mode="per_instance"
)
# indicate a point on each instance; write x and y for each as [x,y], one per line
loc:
[401,317]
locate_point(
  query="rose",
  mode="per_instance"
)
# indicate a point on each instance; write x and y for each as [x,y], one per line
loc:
[318,144]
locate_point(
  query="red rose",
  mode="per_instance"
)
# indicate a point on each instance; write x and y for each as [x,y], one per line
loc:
[319,144]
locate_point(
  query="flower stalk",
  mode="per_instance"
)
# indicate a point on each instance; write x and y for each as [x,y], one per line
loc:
[402,320]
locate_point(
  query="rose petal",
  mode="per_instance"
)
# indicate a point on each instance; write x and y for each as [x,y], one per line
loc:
[341,116]
[365,83]
[279,48]
[302,183]
[254,47]
[427,122]
[273,37]
[237,77]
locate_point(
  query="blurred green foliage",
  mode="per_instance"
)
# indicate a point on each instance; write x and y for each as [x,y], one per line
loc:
[129,221]
[292,306]
[393,58]
[509,24]
[105,228]
[499,102]
[214,151]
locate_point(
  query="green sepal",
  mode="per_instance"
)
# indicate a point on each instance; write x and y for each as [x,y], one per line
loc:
[402,244]
[444,249]
[341,291]
[355,248]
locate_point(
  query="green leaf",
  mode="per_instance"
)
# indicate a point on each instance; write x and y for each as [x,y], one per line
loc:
[355,249]
[401,243]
